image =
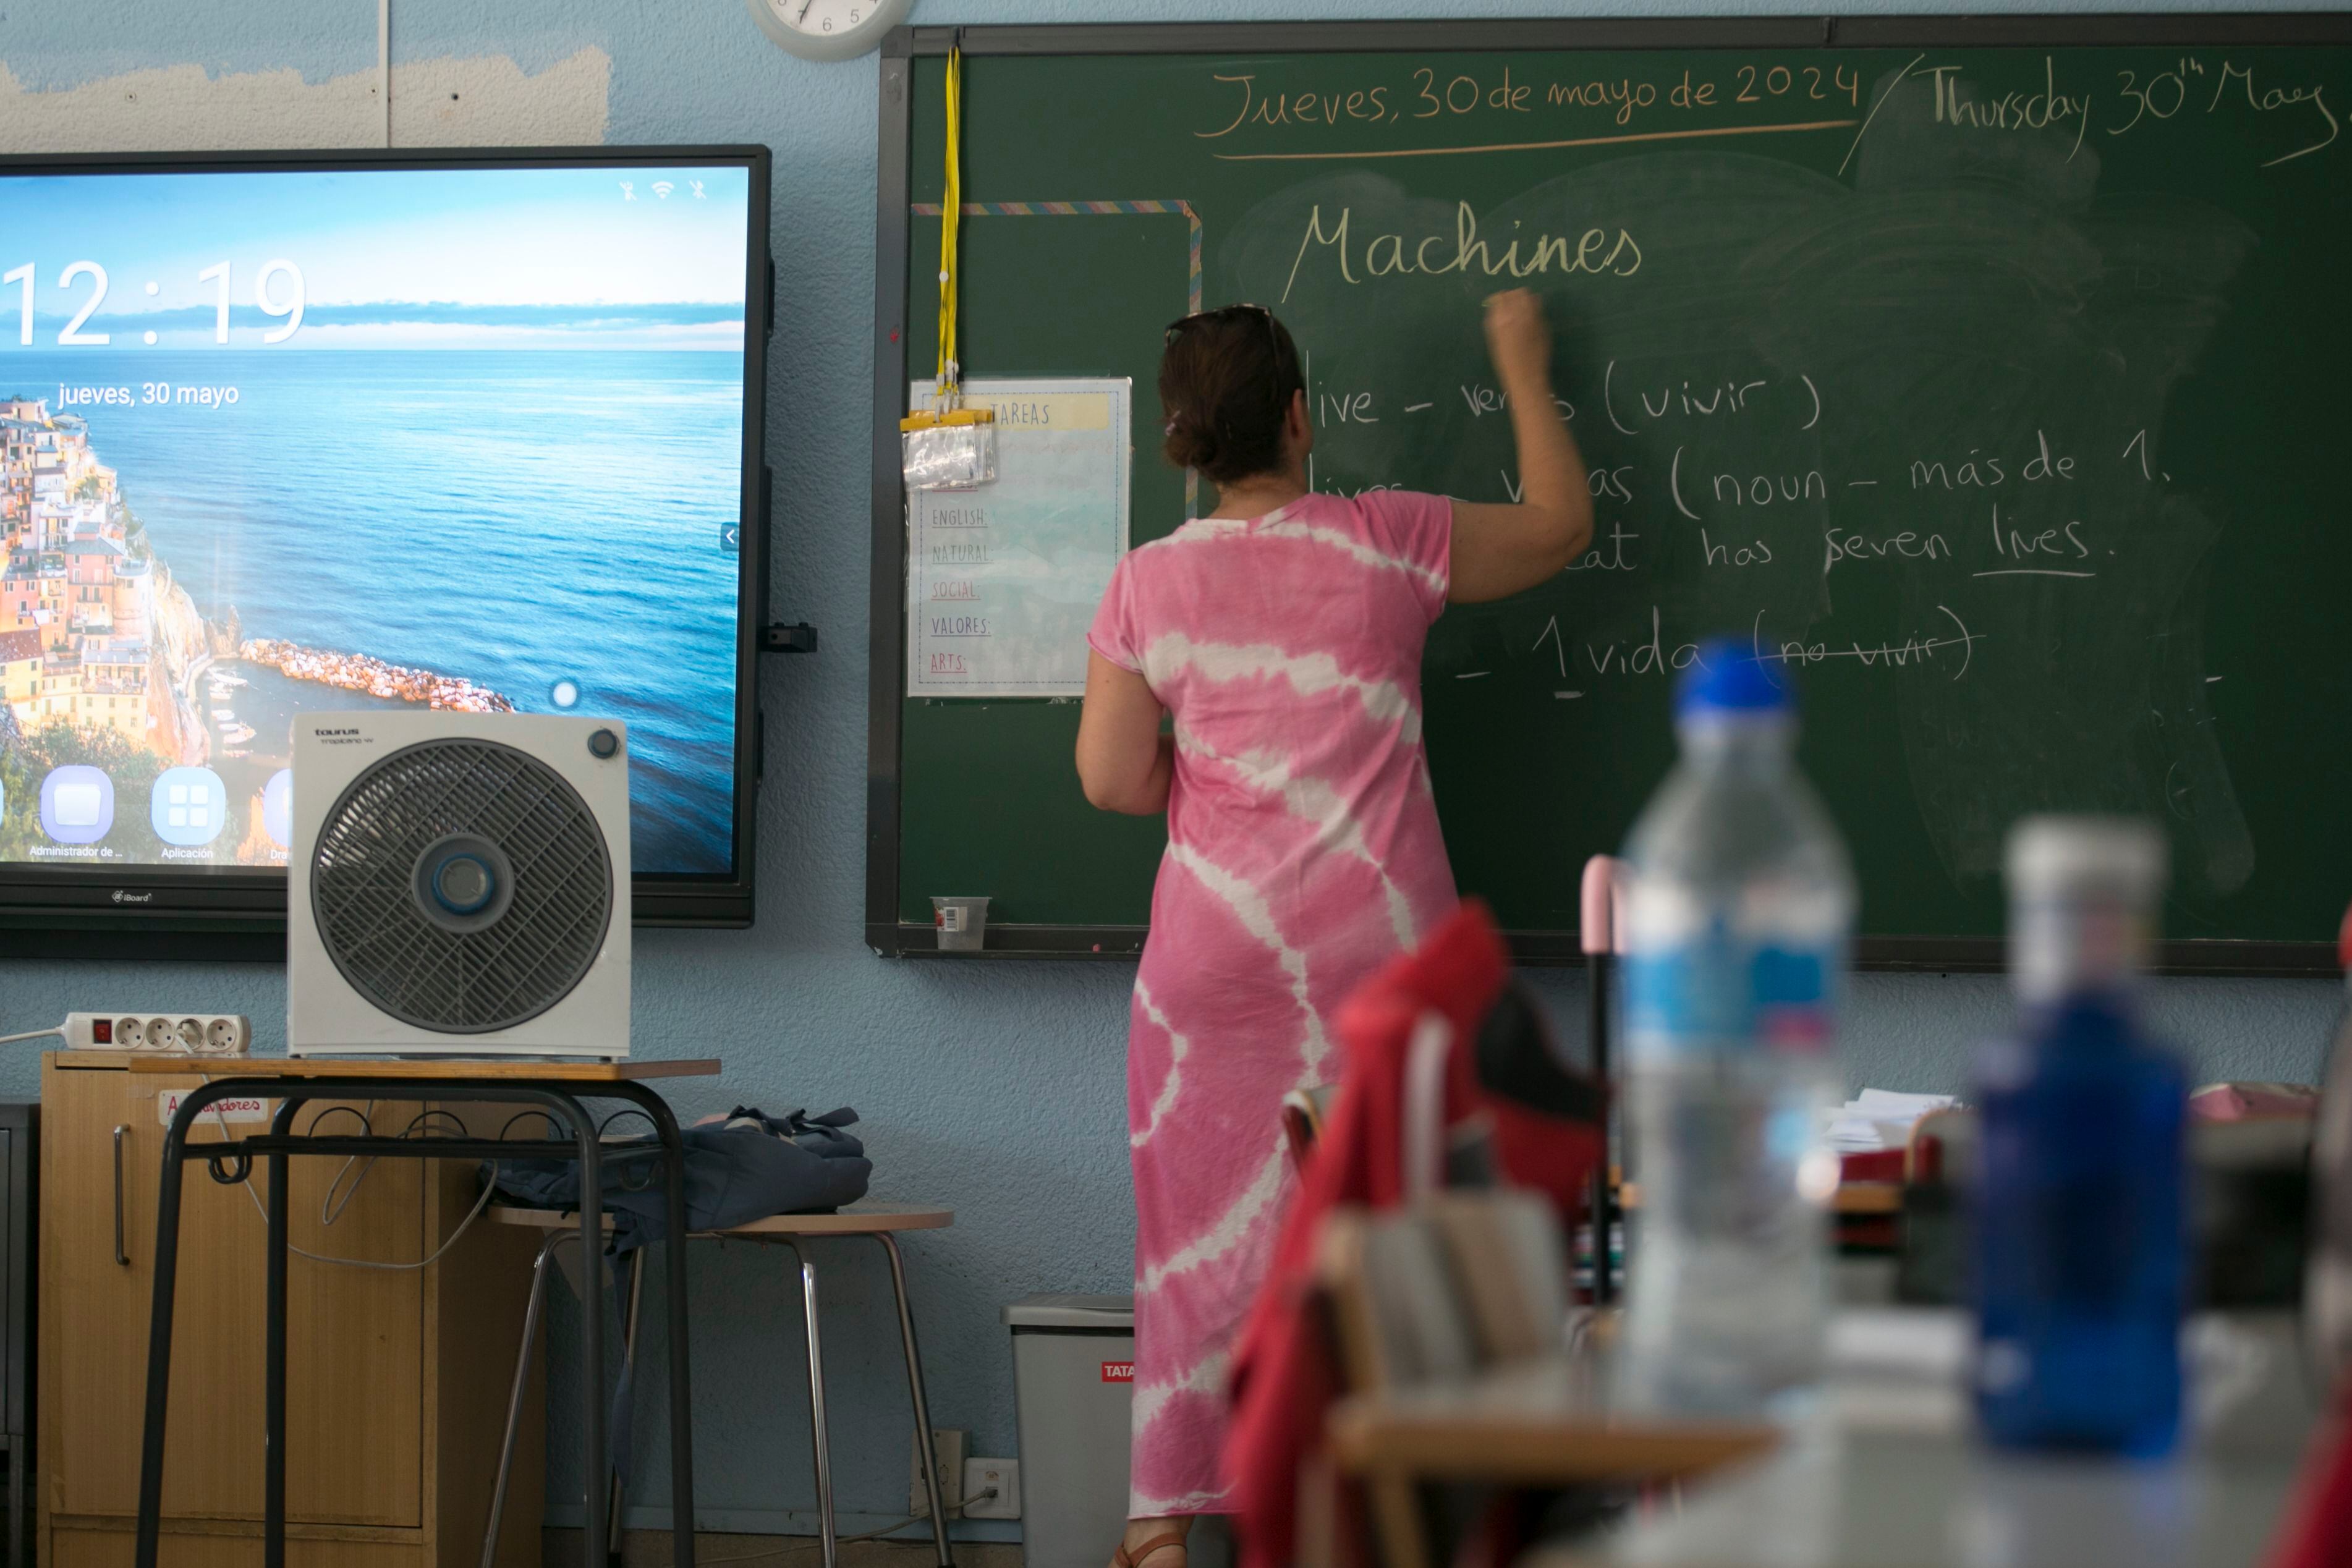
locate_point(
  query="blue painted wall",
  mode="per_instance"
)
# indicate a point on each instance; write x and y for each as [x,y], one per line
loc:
[996,1088]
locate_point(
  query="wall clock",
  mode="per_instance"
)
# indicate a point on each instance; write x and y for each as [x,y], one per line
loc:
[829,29]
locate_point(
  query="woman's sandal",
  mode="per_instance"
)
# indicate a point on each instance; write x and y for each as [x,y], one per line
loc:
[1122,1558]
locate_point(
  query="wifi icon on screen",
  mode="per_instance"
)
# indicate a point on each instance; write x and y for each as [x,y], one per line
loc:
[662,188]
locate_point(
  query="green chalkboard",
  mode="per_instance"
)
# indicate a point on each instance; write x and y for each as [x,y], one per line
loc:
[1991,376]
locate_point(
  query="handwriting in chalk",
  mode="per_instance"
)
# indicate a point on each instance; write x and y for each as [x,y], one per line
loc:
[1933,649]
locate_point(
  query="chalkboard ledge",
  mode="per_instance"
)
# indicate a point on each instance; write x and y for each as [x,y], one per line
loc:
[1882,954]
[906,939]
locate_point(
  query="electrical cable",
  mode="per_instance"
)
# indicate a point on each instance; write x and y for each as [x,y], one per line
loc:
[330,1210]
[812,1544]
[489,1187]
[57,1029]
[761,1555]
[910,1519]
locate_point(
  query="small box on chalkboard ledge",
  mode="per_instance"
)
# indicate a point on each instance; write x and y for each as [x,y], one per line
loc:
[961,923]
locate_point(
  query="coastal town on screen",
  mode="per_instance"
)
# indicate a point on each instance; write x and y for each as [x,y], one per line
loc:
[107,667]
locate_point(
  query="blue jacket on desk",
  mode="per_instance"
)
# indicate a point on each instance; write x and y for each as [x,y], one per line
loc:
[745,1166]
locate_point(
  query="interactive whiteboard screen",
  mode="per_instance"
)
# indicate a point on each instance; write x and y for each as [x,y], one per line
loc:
[319,437]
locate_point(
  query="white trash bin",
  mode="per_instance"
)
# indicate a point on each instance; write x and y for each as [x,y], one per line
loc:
[1073,1379]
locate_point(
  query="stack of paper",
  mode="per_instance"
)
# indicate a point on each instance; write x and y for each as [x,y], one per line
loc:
[1880,1119]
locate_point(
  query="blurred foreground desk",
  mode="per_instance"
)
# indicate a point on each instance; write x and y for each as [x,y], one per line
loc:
[1539,1424]
[1535,1423]
[1892,1478]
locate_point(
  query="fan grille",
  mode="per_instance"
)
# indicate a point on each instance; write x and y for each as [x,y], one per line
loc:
[461,982]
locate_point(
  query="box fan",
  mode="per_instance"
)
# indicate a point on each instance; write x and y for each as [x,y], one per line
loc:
[458,886]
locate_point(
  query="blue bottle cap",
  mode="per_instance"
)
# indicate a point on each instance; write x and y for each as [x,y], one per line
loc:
[1727,678]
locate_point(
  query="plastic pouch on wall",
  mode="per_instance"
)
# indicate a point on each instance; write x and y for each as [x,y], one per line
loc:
[955,450]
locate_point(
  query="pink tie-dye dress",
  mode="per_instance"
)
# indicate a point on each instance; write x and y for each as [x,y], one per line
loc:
[1303,852]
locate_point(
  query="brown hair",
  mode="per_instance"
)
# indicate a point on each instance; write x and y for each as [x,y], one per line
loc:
[1225,383]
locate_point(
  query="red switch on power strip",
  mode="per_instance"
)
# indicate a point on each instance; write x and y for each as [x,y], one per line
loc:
[101,1032]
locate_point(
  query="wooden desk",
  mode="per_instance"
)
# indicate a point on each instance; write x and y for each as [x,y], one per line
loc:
[1542,1423]
[474,1070]
[1867,1197]
[1851,1197]
[867,1216]
[556,1090]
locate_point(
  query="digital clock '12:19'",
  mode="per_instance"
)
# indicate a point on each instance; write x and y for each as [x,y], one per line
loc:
[266,290]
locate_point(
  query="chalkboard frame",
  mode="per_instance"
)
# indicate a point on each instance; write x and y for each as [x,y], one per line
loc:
[887,675]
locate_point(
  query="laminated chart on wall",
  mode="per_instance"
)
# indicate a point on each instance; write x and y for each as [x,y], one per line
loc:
[1003,579]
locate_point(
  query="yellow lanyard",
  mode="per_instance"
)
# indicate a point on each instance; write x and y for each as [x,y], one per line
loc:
[951,210]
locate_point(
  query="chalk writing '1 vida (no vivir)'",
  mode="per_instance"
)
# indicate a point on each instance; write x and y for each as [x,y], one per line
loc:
[1948,646]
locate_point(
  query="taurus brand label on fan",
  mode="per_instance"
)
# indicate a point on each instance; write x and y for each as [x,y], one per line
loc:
[237,1109]
[339,738]
[1118,1372]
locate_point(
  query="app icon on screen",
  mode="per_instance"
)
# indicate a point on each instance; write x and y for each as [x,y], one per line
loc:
[189,807]
[76,805]
[277,807]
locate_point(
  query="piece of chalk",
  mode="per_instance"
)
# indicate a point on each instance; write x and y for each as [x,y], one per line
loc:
[1594,923]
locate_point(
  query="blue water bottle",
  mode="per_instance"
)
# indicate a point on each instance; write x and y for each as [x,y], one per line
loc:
[2080,1217]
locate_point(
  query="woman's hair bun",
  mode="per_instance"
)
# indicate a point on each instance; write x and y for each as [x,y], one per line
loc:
[1188,446]
[1225,382]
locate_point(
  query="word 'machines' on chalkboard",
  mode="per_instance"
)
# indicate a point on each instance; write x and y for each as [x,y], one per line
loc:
[1993,391]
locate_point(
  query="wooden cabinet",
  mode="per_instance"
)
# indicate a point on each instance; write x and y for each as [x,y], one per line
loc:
[396,1379]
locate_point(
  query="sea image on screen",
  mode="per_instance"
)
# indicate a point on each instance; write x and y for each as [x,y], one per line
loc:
[328,439]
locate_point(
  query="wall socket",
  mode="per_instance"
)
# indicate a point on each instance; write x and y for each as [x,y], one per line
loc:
[947,1443]
[180,1034]
[1003,1476]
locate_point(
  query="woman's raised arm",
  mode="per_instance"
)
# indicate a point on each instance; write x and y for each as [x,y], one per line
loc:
[1499,550]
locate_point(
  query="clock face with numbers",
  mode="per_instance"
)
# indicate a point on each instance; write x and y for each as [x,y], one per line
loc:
[828,29]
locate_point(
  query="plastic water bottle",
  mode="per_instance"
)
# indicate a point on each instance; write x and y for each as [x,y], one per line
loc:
[2080,1220]
[1739,915]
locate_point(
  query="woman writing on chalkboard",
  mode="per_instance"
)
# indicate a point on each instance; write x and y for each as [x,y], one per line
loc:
[1283,632]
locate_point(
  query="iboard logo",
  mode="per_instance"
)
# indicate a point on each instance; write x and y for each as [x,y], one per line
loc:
[124,896]
[1118,1372]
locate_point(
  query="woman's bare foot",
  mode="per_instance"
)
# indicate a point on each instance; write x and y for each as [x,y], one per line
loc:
[1148,1541]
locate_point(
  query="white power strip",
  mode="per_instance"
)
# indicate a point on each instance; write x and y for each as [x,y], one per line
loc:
[184,1034]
